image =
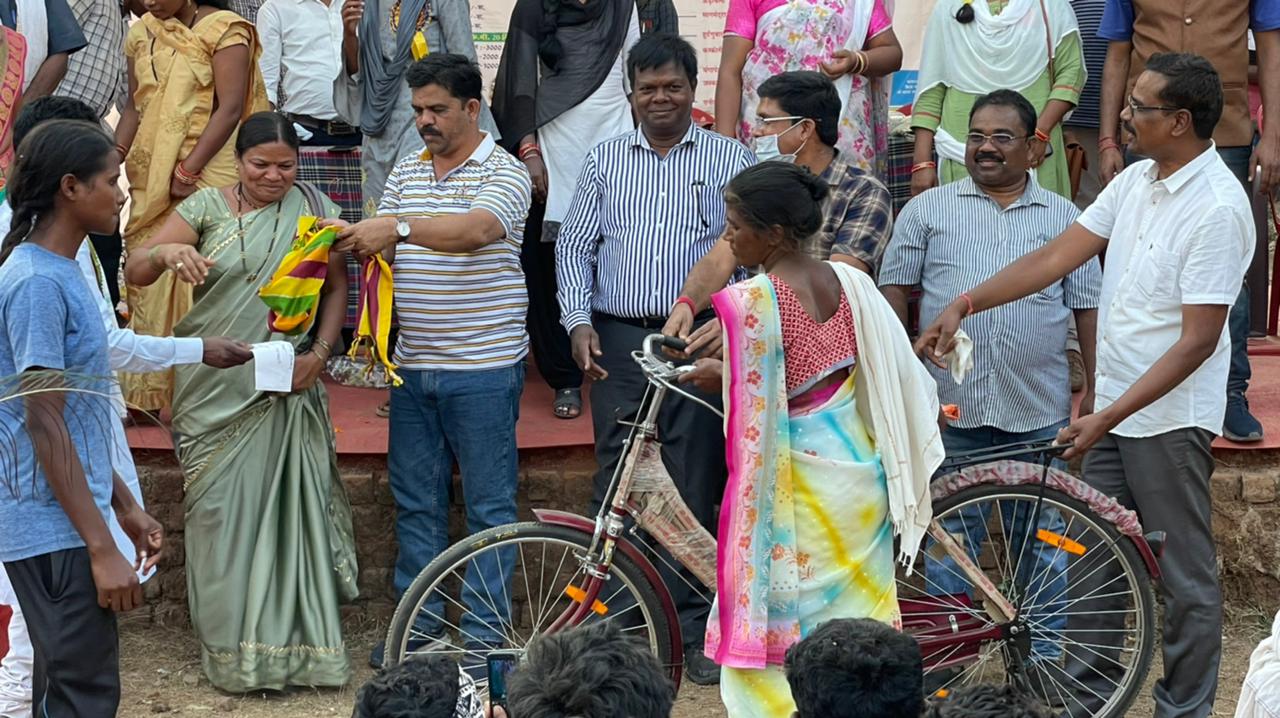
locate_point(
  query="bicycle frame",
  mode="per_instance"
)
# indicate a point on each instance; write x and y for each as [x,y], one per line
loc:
[642,489]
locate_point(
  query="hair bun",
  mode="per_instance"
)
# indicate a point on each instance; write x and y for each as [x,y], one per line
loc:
[818,189]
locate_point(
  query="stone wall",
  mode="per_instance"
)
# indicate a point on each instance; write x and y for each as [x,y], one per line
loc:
[549,478]
[1246,522]
[1246,494]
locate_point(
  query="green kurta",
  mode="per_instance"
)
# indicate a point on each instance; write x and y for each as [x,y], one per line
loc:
[270,552]
[951,107]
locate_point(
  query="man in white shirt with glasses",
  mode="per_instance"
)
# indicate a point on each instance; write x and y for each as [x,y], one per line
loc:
[298,67]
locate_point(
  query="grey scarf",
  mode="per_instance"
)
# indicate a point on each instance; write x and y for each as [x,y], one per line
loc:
[380,88]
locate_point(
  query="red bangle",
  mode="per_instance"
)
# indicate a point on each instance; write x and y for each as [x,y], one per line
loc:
[968,300]
[693,308]
[1107,143]
[1042,135]
[922,166]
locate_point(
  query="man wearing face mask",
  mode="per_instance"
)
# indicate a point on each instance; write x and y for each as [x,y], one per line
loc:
[954,237]
[797,121]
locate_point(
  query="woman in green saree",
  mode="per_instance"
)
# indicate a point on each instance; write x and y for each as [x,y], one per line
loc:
[270,553]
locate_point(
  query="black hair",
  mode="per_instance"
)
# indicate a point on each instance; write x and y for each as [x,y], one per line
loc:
[986,701]
[778,194]
[964,15]
[809,95]
[659,49]
[50,107]
[455,73]
[593,671]
[53,150]
[1193,85]
[420,687]
[263,128]
[1008,98]
[217,4]
[856,668]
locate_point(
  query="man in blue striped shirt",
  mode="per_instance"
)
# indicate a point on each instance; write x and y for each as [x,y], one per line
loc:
[954,237]
[648,206]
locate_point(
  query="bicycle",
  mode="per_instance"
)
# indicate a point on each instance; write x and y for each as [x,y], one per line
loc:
[996,619]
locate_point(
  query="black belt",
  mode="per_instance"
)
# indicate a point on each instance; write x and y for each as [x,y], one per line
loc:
[333,128]
[654,323]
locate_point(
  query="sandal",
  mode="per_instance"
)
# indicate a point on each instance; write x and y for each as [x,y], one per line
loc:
[568,404]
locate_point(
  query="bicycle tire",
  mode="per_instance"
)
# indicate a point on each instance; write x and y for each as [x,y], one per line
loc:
[1128,556]
[623,569]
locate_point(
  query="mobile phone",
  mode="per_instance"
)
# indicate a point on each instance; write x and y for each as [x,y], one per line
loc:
[501,663]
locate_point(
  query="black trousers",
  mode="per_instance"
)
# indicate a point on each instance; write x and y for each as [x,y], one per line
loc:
[77,649]
[550,341]
[692,450]
[109,248]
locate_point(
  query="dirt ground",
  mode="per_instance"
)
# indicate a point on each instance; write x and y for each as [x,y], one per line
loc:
[161,675]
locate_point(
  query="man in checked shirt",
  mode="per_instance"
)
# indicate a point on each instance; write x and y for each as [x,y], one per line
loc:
[798,121]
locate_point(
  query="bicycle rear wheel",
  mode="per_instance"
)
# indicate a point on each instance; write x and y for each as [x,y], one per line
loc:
[458,605]
[1084,633]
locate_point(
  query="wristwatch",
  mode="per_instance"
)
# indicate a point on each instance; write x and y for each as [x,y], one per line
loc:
[402,231]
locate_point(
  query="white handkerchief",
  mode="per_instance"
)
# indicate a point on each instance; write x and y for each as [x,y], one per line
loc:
[960,360]
[273,366]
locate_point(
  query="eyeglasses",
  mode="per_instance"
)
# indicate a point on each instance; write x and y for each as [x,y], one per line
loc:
[762,121]
[999,139]
[1135,107]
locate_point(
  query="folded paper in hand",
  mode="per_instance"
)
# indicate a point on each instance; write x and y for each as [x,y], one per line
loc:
[273,366]
[960,358]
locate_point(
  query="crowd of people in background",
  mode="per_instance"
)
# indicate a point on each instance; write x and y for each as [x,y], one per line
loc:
[1081,173]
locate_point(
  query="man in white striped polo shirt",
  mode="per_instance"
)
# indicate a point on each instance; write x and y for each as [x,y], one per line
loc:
[453,219]
[951,238]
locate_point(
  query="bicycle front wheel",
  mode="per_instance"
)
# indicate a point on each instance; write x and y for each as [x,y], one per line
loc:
[505,586]
[1084,629]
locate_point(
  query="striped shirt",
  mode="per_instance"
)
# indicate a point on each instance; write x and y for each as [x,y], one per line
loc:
[461,310]
[639,222]
[1089,17]
[951,239]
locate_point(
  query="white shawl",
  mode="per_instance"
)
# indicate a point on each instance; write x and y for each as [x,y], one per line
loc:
[33,23]
[1005,51]
[899,400]
[1260,694]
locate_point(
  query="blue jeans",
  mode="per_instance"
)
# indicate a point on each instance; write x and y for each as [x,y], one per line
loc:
[438,417]
[1044,577]
[1237,160]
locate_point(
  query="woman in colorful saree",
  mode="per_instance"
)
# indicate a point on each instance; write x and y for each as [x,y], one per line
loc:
[850,41]
[832,437]
[270,552]
[193,77]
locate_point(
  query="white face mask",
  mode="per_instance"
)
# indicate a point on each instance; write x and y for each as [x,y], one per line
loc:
[766,147]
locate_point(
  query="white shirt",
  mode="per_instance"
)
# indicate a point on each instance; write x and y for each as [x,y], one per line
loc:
[1186,239]
[129,351]
[567,139]
[298,66]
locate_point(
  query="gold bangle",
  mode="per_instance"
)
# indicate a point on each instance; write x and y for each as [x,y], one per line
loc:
[151,257]
[322,344]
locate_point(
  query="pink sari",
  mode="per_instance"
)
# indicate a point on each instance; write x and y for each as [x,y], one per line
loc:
[804,531]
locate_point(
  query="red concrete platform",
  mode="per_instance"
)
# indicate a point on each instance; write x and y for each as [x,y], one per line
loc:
[361,431]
